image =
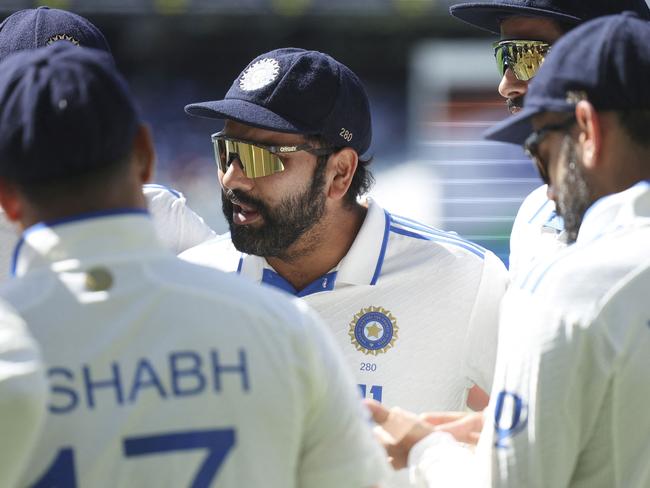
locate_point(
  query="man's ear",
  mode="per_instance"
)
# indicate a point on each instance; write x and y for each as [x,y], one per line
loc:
[10,200]
[342,165]
[144,154]
[591,137]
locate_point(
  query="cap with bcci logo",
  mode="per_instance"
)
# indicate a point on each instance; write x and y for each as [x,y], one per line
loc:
[488,15]
[605,61]
[39,27]
[300,92]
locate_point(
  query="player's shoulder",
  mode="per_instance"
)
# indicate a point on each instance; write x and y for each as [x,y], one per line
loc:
[408,236]
[30,291]
[11,324]
[228,292]
[156,192]
[536,205]
[589,271]
[218,252]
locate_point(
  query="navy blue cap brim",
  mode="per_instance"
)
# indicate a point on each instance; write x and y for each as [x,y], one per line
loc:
[514,129]
[247,113]
[488,16]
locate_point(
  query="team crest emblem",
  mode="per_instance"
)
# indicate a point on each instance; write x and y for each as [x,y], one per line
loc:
[62,37]
[259,74]
[373,330]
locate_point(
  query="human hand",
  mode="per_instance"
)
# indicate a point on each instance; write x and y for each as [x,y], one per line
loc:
[398,431]
[464,426]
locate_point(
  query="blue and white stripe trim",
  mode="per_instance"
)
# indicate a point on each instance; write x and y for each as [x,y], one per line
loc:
[382,251]
[416,230]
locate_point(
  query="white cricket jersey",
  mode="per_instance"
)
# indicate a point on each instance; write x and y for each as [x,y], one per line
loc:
[7,243]
[569,407]
[537,233]
[413,309]
[23,393]
[163,373]
[177,225]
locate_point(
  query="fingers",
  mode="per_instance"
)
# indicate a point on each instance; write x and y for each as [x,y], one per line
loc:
[399,423]
[465,429]
[378,411]
[439,418]
[397,430]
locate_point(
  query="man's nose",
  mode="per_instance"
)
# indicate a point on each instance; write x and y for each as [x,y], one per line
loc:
[511,87]
[234,178]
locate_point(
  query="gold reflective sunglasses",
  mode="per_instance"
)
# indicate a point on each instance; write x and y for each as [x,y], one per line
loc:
[523,57]
[256,160]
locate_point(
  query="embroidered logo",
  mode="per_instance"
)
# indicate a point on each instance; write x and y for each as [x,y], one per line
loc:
[373,330]
[62,37]
[259,74]
[98,279]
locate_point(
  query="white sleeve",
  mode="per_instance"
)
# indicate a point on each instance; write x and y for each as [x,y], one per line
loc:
[438,461]
[519,243]
[537,234]
[22,396]
[339,449]
[551,381]
[482,334]
[177,225]
[8,240]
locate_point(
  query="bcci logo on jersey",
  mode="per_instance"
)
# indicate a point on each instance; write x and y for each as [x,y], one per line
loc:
[373,330]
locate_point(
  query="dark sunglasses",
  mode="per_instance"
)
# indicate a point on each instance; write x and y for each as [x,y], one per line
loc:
[523,57]
[256,159]
[531,145]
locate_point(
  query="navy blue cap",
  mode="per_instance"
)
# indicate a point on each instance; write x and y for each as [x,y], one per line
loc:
[605,61]
[299,92]
[39,27]
[64,111]
[489,15]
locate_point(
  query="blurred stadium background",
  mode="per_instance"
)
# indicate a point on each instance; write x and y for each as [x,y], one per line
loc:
[431,79]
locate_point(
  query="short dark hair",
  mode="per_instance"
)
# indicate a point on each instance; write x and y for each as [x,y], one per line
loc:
[362,180]
[636,124]
[86,185]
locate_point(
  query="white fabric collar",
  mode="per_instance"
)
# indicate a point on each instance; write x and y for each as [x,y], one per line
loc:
[612,212]
[64,243]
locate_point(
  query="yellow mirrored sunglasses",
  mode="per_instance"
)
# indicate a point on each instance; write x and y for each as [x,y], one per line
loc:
[256,159]
[523,57]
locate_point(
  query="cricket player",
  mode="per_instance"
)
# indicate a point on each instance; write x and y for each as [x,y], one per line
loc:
[161,373]
[176,224]
[528,29]
[22,395]
[414,309]
[569,404]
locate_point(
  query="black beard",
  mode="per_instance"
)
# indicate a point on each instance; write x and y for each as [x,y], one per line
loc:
[515,103]
[283,224]
[573,195]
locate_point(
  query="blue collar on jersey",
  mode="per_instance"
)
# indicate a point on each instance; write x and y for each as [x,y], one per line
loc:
[324,283]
